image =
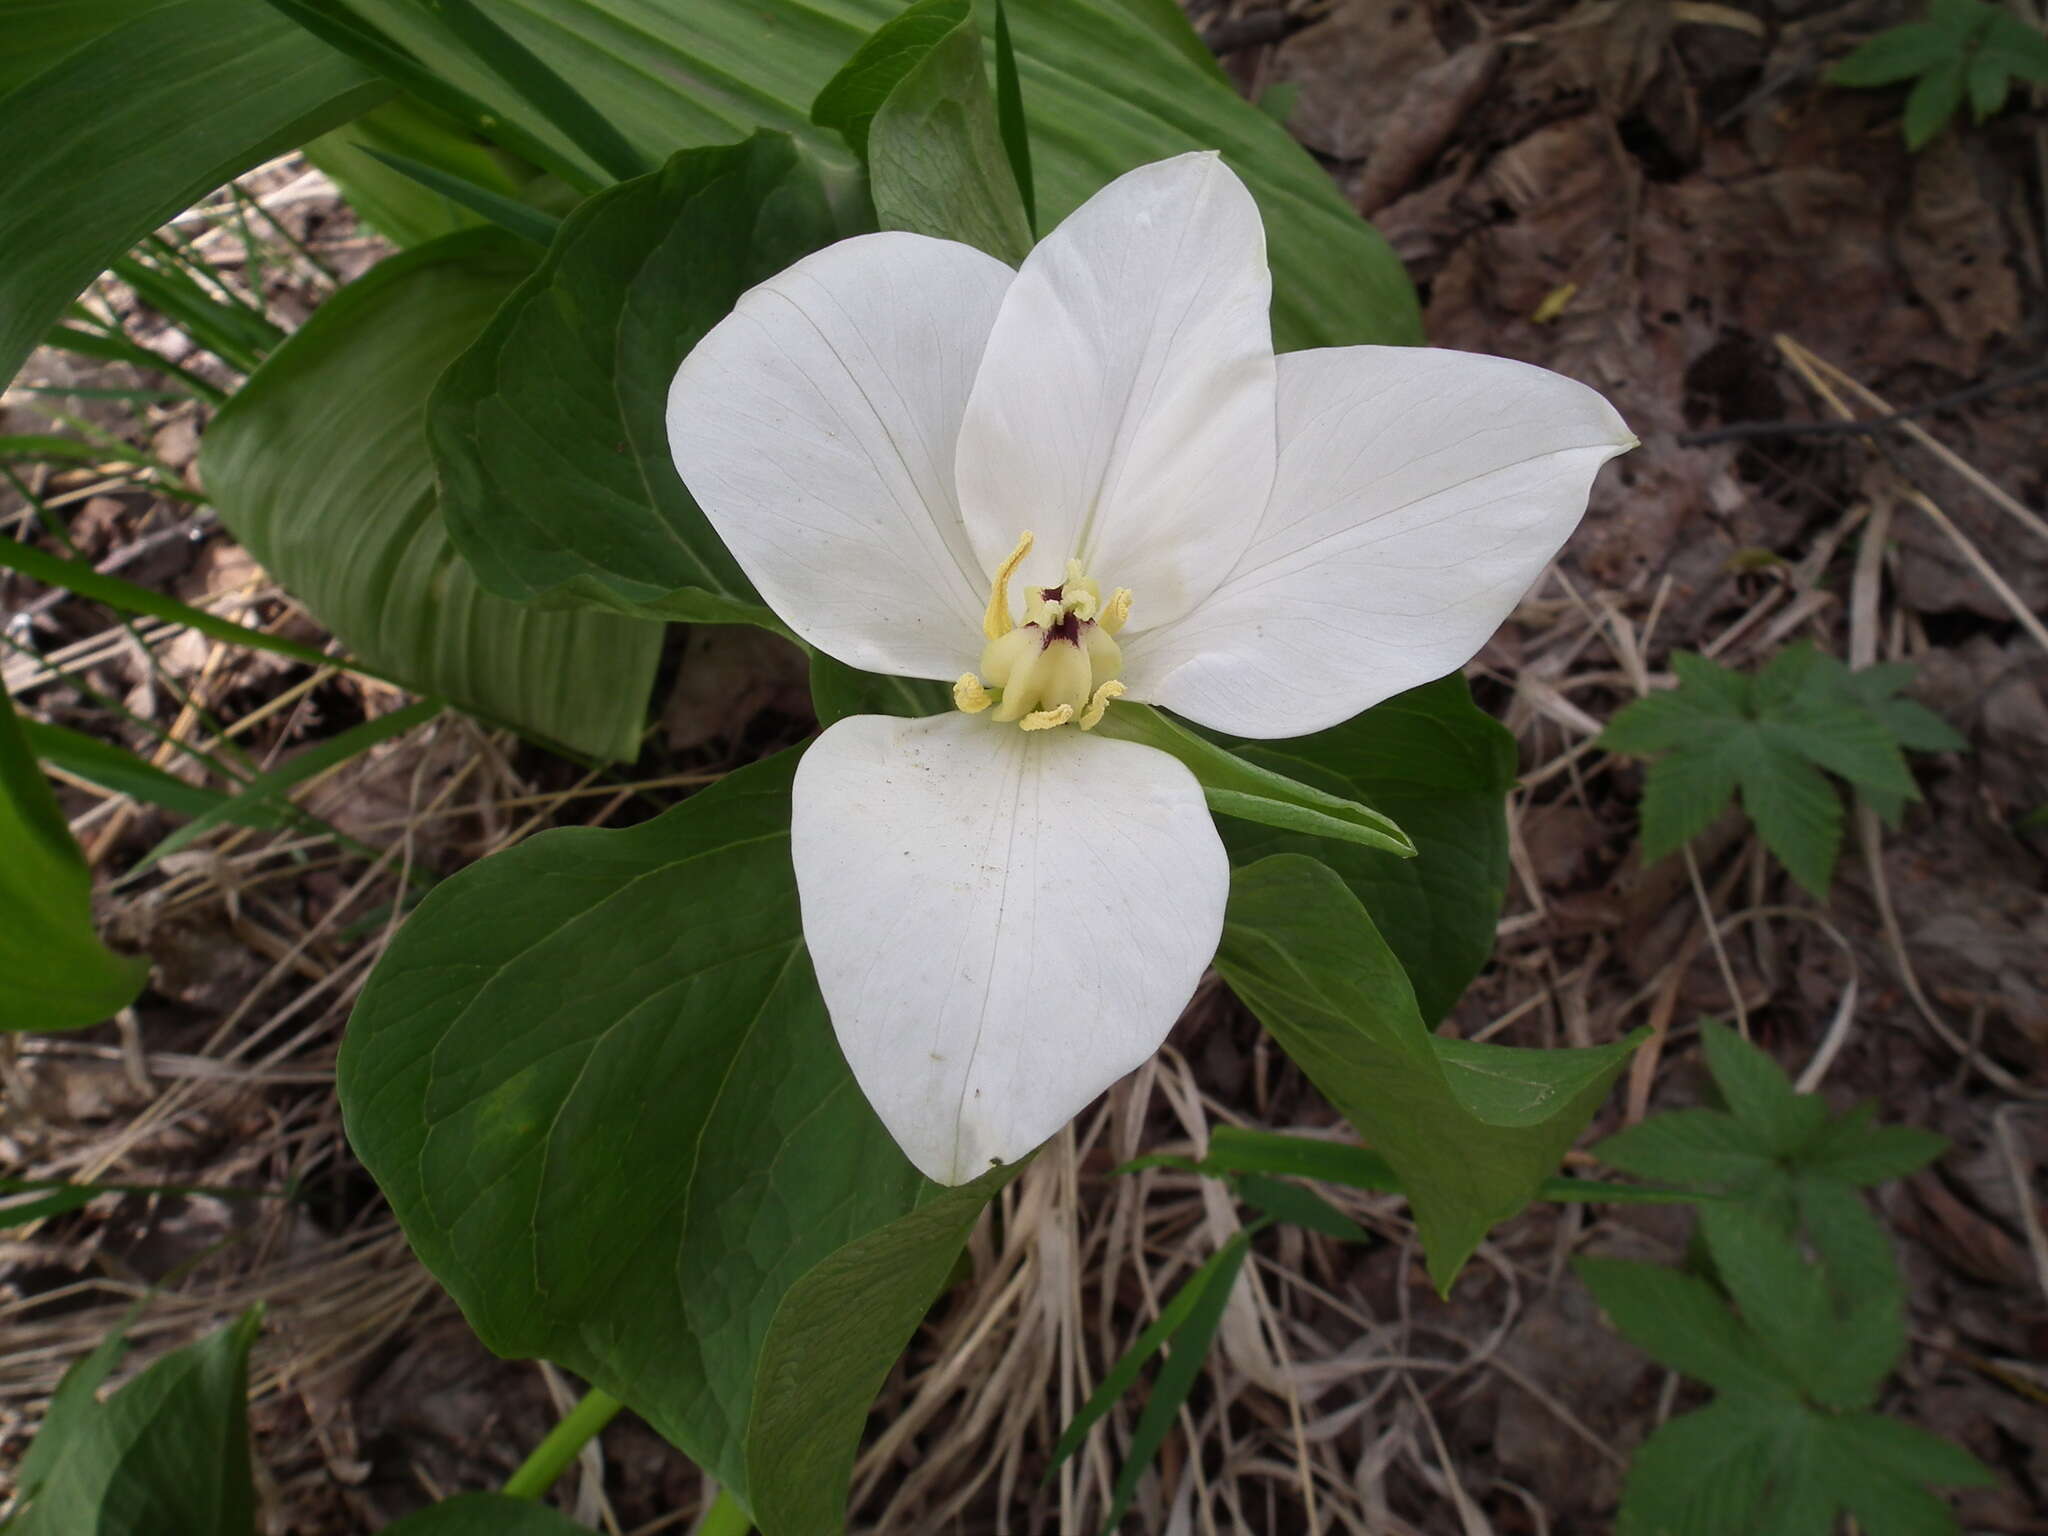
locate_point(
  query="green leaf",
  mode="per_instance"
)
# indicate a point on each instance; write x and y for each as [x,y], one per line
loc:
[1688,1145]
[1216,1275]
[1010,117]
[1234,786]
[486,1514]
[1303,1207]
[168,1452]
[1683,793]
[1107,85]
[110,767]
[1850,1241]
[550,431]
[1933,102]
[2020,48]
[1896,54]
[596,1081]
[849,101]
[74,1402]
[553,97]
[838,690]
[1797,813]
[1705,1473]
[1758,1092]
[1910,1452]
[1682,1322]
[361,162]
[515,218]
[263,801]
[1783,1299]
[831,1344]
[54,972]
[134,114]
[1472,1132]
[936,163]
[1235,1150]
[336,499]
[1433,760]
[1853,1149]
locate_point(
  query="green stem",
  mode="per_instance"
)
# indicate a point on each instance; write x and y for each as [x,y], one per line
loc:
[552,1456]
[724,1518]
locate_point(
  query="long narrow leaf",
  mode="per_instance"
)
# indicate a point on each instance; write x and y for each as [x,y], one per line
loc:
[1176,1377]
[270,789]
[76,576]
[102,763]
[509,214]
[1166,1326]
[335,26]
[1010,117]
[116,348]
[557,100]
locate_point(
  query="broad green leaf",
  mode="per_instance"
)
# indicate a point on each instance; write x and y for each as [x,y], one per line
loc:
[74,1401]
[936,163]
[1759,1093]
[1237,787]
[1682,1322]
[1683,794]
[1106,85]
[1898,53]
[838,690]
[1933,102]
[486,1514]
[1704,1473]
[1797,813]
[134,114]
[1910,1452]
[1430,759]
[849,101]
[596,1081]
[168,1452]
[1851,1242]
[549,432]
[320,466]
[1687,1146]
[54,972]
[829,1347]
[1472,1135]
[1783,1299]
[1853,1149]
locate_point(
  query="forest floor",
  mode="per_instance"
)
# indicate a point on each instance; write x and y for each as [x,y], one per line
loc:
[1661,199]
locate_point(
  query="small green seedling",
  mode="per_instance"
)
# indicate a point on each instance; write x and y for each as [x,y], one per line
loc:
[1795,1319]
[1962,48]
[1770,736]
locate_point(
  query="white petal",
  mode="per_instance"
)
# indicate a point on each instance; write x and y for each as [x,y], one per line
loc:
[816,424]
[1419,494]
[1003,923]
[1124,410]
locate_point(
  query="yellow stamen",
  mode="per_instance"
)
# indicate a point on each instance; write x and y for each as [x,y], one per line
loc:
[969,697]
[1118,610]
[1046,719]
[997,622]
[1092,715]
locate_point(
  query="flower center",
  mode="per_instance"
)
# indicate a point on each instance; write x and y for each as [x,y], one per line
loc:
[1060,664]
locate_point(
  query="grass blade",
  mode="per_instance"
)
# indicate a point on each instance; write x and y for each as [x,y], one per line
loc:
[1010,117]
[115,347]
[335,26]
[102,763]
[1171,1319]
[518,218]
[270,790]
[557,100]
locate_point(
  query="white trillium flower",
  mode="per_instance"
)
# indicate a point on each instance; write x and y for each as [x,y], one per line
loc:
[1006,909]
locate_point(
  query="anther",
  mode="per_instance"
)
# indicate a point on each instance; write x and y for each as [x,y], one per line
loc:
[1117,611]
[1046,719]
[1092,715]
[969,697]
[996,622]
